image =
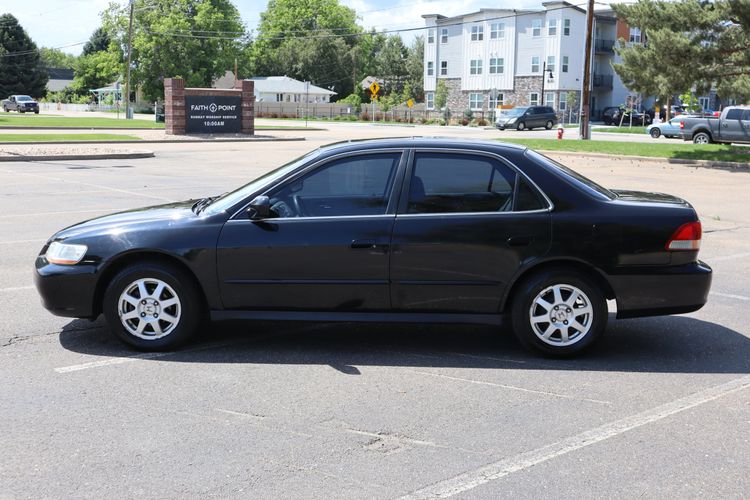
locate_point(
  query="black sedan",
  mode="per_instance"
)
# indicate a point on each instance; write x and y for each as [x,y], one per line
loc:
[407,230]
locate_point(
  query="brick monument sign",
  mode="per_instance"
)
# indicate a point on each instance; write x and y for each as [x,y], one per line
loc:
[209,111]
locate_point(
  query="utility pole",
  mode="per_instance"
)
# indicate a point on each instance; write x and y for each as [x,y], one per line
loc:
[307,99]
[544,71]
[585,92]
[128,115]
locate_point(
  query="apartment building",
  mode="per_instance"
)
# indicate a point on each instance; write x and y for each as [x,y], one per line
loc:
[507,57]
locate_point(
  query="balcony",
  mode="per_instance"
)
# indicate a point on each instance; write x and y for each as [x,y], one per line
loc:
[604,46]
[602,81]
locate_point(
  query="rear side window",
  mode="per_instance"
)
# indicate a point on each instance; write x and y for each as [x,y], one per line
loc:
[527,198]
[456,183]
[734,114]
[746,115]
[549,110]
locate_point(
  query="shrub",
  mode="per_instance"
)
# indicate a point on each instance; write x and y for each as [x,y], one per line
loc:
[463,121]
[468,114]
[364,116]
[482,122]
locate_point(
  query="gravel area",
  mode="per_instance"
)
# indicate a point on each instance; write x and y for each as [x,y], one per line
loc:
[65,149]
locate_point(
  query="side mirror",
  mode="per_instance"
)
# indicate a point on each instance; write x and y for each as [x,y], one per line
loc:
[260,208]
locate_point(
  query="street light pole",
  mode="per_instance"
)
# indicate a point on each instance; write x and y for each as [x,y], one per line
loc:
[585,91]
[130,49]
[544,75]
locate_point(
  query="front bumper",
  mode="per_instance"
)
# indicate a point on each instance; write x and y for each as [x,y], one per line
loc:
[66,290]
[666,290]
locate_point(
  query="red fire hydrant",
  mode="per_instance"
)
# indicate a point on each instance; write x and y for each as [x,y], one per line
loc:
[560,132]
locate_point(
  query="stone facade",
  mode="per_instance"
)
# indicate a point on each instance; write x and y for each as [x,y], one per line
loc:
[174,99]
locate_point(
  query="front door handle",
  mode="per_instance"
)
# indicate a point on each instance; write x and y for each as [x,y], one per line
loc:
[520,241]
[368,244]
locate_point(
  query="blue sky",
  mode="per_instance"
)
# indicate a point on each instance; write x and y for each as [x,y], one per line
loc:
[57,23]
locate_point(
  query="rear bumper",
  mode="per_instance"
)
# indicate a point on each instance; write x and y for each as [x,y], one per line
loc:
[666,290]
[66,290]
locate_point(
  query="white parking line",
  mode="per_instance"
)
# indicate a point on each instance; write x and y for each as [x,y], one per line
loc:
[729,296]
[511,387]
[496,470]
[16,288]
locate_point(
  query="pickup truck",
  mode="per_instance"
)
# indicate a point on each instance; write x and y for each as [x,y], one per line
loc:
[20,103]
[732,126]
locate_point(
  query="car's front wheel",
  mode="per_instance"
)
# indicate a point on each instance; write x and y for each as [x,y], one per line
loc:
[655,133]
[558,313]
[520,126]
[152,306]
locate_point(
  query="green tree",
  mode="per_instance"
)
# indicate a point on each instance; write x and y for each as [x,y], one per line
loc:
[56,58]
[96,70]
[21,70]
[197,40]
[415,68]
[98,42]
[391,64]
[441,94]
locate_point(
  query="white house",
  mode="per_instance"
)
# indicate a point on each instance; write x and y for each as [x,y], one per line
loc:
[280,89]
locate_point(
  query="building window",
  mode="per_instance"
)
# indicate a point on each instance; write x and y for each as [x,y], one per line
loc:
[536,27]
[477,33]
[279,97]
[476,100]
[549,99]
[497,65]
[534,99]
[535,64]
[430,36]
[565,61]
[430,68]
[563,101]
[497,30]
[566,27]
[430,100]
[705,103]
[443,68]
[444,35]
[551,63]
[552,27]
[475,67]
[497,101]
[635,35]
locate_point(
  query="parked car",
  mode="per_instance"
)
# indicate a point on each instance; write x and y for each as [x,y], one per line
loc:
[674,110]
[614,115]
[732,126]
[21,103]
[667,129]
[526,118]
[404,230]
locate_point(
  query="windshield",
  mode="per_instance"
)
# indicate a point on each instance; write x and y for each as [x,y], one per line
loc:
[586,183]
[228,200]
[21,98]
[514,111]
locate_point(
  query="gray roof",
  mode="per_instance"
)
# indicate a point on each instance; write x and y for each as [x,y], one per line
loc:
[285,85]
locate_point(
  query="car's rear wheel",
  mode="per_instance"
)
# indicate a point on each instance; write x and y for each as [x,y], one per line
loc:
[152,306]
[558,313]
[549,124]
[520,126]
[701,138]
[655,133]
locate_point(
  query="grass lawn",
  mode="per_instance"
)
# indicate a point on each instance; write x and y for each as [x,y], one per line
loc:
[29,120]
[286,127]
[621,130]
[685,151]
[65,137]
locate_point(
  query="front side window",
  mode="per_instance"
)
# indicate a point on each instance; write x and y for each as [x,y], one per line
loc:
[536,27]
[477,33]
[444,35]
[497,31]
[430,36]
[356,185]
[476,100]
[430,100]
[565,63]
[460,183]
[475,67]
[430,68]
[497,65]
[566,27]
[535,64]
[533,99]
[552,27]
[551,63]
[443,68]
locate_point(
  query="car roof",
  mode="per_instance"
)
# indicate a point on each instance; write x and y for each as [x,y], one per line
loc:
[421,142]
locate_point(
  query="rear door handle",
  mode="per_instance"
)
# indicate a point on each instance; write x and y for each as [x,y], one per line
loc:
[368,244]
[520,241]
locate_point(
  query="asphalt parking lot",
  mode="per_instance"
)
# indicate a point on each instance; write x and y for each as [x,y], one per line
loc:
[659,409]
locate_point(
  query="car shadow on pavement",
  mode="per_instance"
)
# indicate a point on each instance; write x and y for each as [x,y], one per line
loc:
[676,344]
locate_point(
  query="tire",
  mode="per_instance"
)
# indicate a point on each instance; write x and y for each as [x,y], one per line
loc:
[701,138]
[520,126]
[179,320]
[36,112]
[6,109]
[549,125]
[21,111]
[655,133]
[588,309]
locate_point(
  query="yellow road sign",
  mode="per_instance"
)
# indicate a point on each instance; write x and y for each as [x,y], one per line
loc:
[374,88]
[410,102]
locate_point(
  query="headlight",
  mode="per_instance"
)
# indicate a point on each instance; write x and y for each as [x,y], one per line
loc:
[65,254]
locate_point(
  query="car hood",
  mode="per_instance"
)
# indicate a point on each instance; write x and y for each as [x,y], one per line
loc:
[157,216]
[648,197]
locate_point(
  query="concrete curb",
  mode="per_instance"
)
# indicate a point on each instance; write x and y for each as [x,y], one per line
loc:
[95,156]
[273,129]
[153,141]
[719,165]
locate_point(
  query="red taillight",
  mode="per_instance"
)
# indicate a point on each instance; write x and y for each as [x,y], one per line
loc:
[682,125]
[687,237]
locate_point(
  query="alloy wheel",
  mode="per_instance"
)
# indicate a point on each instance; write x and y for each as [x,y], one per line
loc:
[149,308]
[561,315]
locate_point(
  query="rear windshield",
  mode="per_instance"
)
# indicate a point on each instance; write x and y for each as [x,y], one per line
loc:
[584,182]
